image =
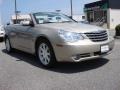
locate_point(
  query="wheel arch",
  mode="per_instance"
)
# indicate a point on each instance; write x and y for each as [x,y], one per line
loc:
[41,37]
[44,38]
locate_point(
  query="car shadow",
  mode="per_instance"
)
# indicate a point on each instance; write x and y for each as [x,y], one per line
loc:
[63,67]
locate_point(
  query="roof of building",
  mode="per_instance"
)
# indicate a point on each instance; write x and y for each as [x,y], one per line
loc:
[20,17]
[94,4]
[113,4]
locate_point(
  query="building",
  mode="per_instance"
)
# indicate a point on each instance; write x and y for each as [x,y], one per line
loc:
[19,18]
[79,17]
[105,13]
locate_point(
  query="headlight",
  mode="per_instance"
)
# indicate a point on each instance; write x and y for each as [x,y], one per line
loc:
[70,36]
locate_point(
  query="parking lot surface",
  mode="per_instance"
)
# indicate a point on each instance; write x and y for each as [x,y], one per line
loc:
[20,71]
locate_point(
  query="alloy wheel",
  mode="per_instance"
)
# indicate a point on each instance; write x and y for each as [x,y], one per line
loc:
[44,54]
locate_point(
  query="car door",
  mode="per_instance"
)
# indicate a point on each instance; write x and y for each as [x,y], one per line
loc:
[13,35]
[25,38]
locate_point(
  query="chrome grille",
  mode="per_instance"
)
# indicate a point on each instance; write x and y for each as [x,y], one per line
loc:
[97,36]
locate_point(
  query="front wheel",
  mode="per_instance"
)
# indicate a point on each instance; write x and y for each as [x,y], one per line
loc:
[45,53]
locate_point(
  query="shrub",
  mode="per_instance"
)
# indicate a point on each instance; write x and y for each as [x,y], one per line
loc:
[117,29]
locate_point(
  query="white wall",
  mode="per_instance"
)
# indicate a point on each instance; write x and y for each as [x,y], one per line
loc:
[20,17]
[78,17]
[114,18]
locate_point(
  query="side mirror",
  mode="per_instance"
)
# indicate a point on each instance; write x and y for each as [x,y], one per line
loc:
[27,23]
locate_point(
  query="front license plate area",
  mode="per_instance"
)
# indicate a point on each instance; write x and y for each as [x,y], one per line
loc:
[104,48]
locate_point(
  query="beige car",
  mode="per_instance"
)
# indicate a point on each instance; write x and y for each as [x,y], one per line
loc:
[55,37]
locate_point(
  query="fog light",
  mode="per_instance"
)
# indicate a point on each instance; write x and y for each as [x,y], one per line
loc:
[76,57]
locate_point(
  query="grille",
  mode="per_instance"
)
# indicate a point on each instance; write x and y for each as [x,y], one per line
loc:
[97,36]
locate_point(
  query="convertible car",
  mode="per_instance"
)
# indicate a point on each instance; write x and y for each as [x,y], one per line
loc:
[54,37]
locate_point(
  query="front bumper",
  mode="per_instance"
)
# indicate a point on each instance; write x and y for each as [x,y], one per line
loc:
[83,50]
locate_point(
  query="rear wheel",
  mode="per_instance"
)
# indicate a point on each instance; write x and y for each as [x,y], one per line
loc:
[45,53]
[8,45]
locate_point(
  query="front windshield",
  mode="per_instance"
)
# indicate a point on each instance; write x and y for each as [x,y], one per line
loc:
[42,18]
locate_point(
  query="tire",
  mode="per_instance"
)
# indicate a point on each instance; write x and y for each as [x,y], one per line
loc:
[45,53]
[8,45]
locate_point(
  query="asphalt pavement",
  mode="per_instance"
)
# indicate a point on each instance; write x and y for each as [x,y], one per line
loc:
[20,71]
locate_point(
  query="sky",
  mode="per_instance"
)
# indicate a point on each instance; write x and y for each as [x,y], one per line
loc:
[27,6]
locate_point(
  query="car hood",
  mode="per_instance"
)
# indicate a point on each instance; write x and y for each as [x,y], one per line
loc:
[73,27]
